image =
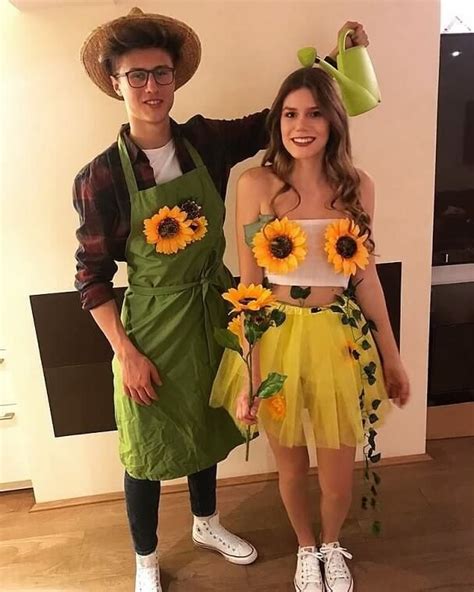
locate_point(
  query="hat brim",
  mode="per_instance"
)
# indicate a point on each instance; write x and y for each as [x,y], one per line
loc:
[93,49]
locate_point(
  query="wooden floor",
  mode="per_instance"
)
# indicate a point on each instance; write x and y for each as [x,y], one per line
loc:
[427,544]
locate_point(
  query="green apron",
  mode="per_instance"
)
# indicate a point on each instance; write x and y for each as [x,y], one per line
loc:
[170,309]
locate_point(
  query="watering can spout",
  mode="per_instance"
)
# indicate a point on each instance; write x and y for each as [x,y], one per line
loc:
[355,75]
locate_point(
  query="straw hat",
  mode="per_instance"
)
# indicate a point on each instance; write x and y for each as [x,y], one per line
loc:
[93,49]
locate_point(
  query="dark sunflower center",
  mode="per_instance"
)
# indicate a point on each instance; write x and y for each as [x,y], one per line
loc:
[246,301]
[168,227]
[281,247]
[192,209]
[346,247]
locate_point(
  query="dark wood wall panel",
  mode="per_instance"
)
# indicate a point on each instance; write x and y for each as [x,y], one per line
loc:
[76,356]
[390,275]
[450,374]
[81,398]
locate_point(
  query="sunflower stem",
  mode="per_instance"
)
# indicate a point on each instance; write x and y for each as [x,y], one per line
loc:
[249,363]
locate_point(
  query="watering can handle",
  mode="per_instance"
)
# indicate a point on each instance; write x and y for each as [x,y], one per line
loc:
[342,40]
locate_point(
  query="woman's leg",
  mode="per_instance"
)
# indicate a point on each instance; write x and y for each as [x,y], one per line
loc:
[293,466]
[335,473]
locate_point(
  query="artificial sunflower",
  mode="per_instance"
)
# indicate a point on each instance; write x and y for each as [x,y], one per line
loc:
[345,246]
[192,208]
[280,246]
[250,297]
[169,230]
[236,326]
[199,228]
[276,406]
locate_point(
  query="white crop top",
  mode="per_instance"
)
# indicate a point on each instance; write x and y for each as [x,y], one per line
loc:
[315,270]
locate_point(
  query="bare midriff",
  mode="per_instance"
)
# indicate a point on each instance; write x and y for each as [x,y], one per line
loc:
[320,295]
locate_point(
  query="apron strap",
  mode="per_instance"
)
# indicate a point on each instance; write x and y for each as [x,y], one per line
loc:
[127,168]
[193,153]
[130,178]
[165,290]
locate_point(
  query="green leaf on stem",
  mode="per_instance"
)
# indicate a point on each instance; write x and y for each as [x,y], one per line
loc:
[252,334]
[278,317]
[272,385]
[372,325]
[299,293]
[227,339]
[371,438]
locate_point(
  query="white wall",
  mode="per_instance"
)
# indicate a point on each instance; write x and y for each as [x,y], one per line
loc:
[53,121]
[457,16]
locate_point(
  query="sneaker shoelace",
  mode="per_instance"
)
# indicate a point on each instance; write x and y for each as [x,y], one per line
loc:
[310,570]
[218,532]
[334,563]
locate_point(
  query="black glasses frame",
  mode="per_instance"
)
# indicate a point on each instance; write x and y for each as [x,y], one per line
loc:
[148,72]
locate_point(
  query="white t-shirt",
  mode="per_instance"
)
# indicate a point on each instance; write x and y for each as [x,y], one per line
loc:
[164,162]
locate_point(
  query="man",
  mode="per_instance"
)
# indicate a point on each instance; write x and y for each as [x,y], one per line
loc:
[155,199]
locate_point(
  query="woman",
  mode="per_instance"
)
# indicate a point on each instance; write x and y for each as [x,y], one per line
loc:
[304,225]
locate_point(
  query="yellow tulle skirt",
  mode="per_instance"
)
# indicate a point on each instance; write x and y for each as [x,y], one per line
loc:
[327,393]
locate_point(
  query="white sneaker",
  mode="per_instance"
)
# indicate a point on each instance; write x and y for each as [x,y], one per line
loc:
[208,533]
[308,571]
[337,576]
[148,573]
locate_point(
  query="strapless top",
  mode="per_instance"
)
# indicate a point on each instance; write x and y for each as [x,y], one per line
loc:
[314,270]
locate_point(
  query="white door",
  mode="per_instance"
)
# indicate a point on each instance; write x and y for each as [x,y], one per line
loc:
[14,469]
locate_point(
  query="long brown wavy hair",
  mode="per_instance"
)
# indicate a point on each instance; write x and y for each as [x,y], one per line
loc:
[338,167]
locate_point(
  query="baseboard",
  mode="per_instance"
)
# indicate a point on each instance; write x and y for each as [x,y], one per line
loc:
[228,482]
[15,485]
[450,421]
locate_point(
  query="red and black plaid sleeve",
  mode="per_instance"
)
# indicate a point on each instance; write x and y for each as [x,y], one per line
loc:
[102,201]
[94,201]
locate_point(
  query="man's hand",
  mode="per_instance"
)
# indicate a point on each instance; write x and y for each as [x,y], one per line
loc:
[358,37]
[139,375]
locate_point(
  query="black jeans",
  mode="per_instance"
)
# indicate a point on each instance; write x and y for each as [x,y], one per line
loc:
[142,498]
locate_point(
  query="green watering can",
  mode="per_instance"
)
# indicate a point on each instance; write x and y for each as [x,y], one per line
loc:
[355,75]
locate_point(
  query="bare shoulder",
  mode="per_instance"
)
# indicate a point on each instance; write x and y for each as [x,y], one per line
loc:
[365,179]
[257,177]
[257,182]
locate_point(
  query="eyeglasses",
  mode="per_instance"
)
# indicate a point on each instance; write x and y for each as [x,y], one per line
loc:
[163,76]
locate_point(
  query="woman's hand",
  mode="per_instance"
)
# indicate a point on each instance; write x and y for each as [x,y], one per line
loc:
[396,382]
[244,412]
